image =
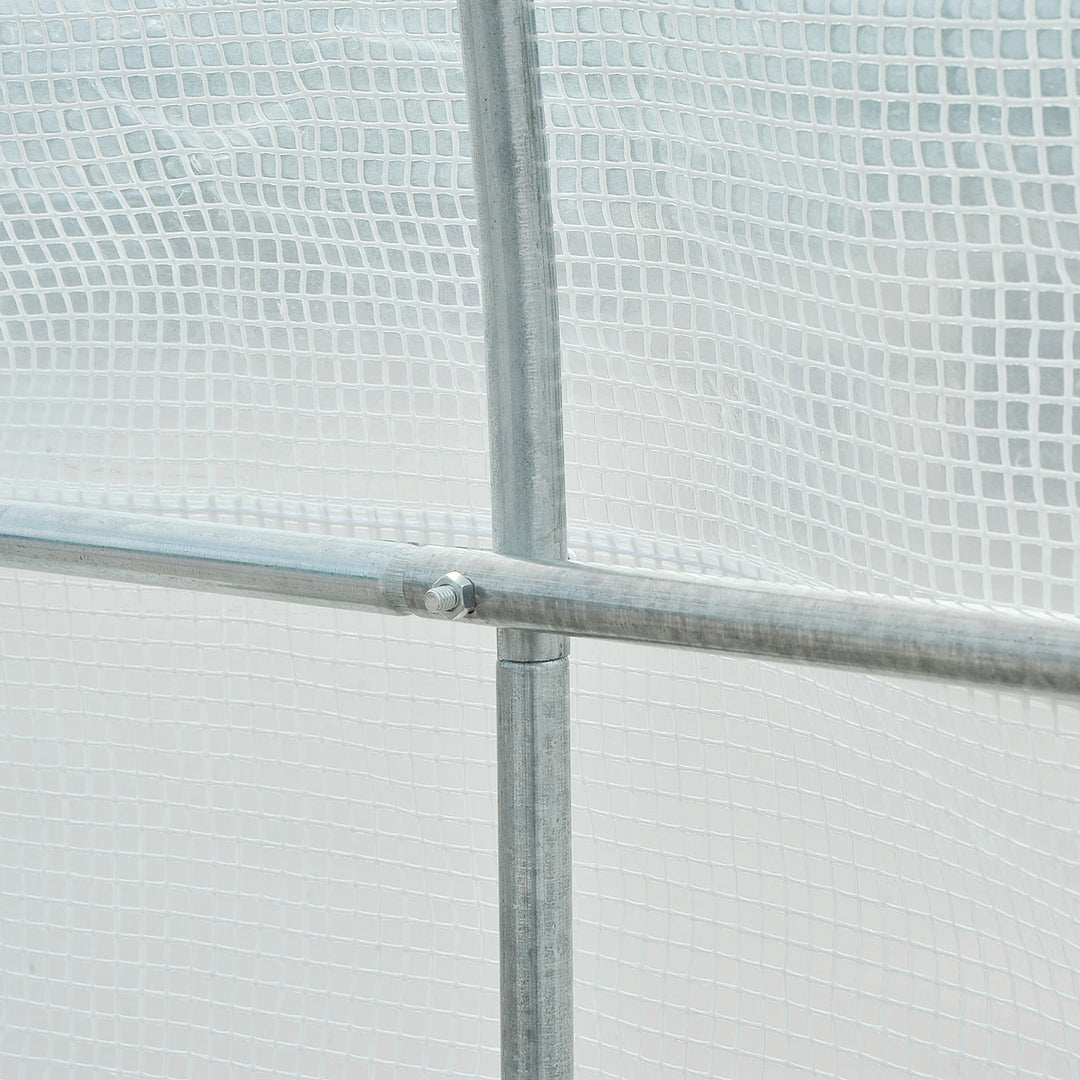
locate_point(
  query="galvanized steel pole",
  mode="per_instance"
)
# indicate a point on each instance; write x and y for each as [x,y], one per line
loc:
[528,494]
[937,640]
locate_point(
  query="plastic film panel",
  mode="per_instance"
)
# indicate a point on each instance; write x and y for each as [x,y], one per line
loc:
[819,267]
[239,276]
[242,837]
[783,871]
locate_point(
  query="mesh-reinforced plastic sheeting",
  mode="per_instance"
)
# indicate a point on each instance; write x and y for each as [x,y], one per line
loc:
[783,872]
[819,267]
[242,838]
[821,262]
[239,270]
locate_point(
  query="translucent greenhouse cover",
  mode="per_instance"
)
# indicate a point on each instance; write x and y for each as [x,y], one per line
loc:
[819,276]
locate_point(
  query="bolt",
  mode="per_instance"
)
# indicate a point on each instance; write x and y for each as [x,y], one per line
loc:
[452,596]
[440,599]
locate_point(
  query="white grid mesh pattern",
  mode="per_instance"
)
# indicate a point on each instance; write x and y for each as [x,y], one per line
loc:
[818,264]
[242,838]
[238,273]
[820,270]
[787,872]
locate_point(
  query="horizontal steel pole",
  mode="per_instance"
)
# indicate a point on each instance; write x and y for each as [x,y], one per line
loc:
[940,640]
[200,555]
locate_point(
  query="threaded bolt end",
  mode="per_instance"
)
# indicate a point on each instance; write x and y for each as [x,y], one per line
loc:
[441,598]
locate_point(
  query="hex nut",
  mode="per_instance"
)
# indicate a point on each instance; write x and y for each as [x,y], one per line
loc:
[452,596]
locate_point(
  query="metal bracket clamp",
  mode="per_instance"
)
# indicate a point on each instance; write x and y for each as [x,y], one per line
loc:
[452,596]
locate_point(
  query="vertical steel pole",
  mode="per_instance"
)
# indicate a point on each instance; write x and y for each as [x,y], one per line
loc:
[529,518]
